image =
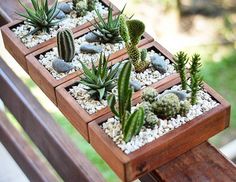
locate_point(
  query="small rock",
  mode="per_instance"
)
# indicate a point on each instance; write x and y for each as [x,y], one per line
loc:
[181,95]
[91,37]
[61,66]
[60,15]
[65,7]
[159,63]
[92,49]
[136,85]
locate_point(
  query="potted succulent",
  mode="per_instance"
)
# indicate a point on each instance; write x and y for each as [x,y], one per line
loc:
[74,99]
[42,21]
[160,124]
[49,68]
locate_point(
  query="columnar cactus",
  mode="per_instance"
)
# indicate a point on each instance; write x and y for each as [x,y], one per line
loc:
[131,32]
[131,122]
[65,45]
[167,106]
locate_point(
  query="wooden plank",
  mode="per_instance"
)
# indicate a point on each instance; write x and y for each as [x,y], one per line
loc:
[202,163]
[21,151]
[67,160]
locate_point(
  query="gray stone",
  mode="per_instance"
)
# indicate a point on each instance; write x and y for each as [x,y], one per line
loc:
[91,37]
[65,7]
[60,66]
[181,95]
[61,15]
[159,63]
[136,85]
[92,49]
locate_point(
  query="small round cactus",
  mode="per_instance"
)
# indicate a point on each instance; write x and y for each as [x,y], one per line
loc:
[147,107]
[149,94]
[184,108]
[151,120]
[167,106]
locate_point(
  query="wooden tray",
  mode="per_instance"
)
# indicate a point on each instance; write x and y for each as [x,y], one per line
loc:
[43,77]
[77,115]
[167,147]
[19,51]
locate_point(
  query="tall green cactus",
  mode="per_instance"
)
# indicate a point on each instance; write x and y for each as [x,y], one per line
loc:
[131,32]
[65,45]
[131,122]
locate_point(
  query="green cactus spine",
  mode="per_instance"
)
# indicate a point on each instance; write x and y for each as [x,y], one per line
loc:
[131,32]
[131,122]
[65,45]
[91,4]
[184,108]
[149,94]
[166,107]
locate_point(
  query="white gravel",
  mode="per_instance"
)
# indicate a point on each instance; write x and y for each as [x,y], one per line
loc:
[68,22]
[148,77]
[47,58]
[112,126]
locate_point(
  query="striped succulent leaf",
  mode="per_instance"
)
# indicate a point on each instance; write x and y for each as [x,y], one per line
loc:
[65,45]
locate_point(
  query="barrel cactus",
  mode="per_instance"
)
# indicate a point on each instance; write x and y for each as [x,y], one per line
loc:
[184,107]
[65,45]
[131,32]
[149,94]
[151,120]
[166,107]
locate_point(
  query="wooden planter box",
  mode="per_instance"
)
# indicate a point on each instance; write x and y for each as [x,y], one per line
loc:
[19,51]
[165,148]
[43,77]
[78,116]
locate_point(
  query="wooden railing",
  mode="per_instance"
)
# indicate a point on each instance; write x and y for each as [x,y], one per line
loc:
[203,163]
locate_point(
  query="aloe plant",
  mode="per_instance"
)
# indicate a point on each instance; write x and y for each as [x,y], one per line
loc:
[108,30]
[41,17]
[99,80]
[131,122]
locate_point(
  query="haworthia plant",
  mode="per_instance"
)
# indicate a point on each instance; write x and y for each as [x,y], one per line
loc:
[131,122]
[65,45]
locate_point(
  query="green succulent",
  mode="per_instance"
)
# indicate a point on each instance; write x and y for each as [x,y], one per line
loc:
[92,5]
[149,94]
[131,122]
[131,32]
[184,108]
[196,80]
[151,120]
[80,7]
[99,80]
[41,17]
[166,107]
[181,59]
[108,31]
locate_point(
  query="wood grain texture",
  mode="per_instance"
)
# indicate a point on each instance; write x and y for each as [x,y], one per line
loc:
[165,148]
[14,45]
[55,145]
[202,163]
[23,154]
[77,115]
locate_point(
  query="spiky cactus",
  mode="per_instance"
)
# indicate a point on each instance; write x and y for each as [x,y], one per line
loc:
[131,32]
[196,80]
[184,107]
[167,106]
[131,122]
[151,120]
[65,45]
[92,5]
[181,59]
[149,94]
